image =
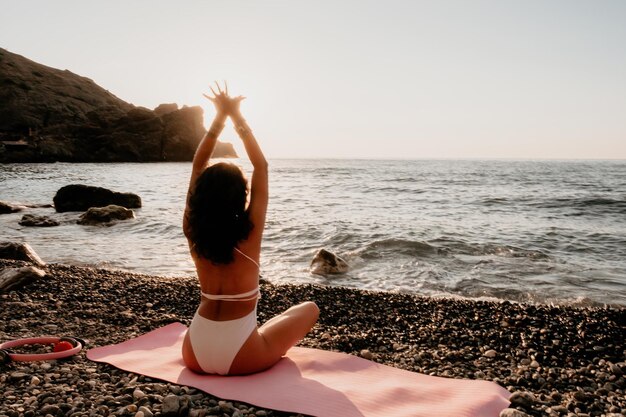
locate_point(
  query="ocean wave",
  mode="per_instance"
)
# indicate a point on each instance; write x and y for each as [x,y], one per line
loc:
[460,247]
[444,247]
[397,247]
[401,179]
[493,201]
[391,189]
[545,292]
[598,203]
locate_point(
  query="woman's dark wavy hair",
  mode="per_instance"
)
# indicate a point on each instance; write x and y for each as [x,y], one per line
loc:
[218,218]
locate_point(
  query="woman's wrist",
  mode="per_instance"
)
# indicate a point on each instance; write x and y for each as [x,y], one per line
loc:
[217,126]
[237,118]
[220,118]
[241,127]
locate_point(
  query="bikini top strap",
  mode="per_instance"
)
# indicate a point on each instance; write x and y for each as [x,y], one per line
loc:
[246,296]
[251,260]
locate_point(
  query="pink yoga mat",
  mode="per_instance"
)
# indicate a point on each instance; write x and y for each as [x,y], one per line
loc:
[312,381]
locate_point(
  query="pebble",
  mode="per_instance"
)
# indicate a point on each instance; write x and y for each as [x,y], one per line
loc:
[534,364]
[138,394]
[439,337]
[512,412]
[170,405]
[35,381]
[146,411]
[366,354]
[522,399]
[49,409]
[490,353]
[16,376]
[616,370]
[225,406]
[581,396]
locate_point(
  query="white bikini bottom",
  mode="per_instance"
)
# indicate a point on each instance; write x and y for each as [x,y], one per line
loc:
[216,343]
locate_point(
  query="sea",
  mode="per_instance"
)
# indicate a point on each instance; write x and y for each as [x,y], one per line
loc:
[550,232]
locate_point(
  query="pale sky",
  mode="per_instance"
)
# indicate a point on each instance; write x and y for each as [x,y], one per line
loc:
[359,79]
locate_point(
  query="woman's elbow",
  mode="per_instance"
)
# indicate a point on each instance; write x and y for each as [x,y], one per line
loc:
[262,165]
[198,165]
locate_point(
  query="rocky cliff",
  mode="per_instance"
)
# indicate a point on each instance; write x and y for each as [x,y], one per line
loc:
[47,115]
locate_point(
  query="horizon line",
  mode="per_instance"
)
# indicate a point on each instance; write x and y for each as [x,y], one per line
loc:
[454,158]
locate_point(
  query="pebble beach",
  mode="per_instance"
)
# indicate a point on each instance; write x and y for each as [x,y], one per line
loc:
[555,360]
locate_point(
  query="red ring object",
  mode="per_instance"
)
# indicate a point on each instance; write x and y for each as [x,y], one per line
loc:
[62,346]
[30,357]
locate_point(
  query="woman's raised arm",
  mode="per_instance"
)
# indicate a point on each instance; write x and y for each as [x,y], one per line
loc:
[259,188]
[207,144]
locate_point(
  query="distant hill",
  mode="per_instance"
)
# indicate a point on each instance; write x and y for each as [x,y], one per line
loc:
[47,115]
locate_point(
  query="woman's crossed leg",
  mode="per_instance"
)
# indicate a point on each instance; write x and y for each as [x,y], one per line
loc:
[271,341]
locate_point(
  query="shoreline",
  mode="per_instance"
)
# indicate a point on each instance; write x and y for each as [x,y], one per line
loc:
[571,359]
[568,303]
[580,302]
[419,227]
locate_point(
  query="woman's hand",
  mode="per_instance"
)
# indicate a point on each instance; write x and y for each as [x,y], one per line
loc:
[224,104]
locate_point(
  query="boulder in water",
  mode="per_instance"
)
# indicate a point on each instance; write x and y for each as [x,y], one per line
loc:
[99,215]
[12,278]
[19,252]
[38,221]
[326,262]
[78,197]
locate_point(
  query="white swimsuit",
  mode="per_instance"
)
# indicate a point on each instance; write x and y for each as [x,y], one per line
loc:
[216,343]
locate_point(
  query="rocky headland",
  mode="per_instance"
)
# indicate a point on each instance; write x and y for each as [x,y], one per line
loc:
[555,360]
[49,115]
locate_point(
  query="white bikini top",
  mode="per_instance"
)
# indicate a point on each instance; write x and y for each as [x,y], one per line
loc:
[246,296]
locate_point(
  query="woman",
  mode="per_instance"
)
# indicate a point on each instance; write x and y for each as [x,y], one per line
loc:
[224,233]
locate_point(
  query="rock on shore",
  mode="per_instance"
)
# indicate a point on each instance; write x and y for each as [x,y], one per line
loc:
[13,278]
[579,352]
[20,252]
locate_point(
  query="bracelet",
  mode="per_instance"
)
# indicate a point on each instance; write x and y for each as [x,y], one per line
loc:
[216,128]
[242,128]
